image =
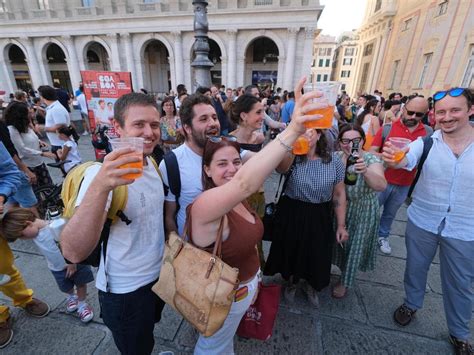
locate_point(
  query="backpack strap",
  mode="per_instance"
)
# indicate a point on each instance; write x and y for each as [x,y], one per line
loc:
[174,178]
[427,144]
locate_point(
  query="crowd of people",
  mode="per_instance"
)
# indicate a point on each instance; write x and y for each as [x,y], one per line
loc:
[222,144]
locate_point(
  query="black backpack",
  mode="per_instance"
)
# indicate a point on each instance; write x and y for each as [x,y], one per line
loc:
[174,179]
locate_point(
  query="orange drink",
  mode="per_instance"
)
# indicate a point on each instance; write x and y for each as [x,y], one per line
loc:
[399,145]
[130,142]
[324,122]
[301,146]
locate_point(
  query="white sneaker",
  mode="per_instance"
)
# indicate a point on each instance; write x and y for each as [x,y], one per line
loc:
[85,133]
[72,304]
[85,313]
[385,246]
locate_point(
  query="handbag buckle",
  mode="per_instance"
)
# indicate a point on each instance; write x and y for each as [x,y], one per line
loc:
[212,262]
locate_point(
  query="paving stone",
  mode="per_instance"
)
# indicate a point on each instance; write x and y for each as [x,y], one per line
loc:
[397,243]
[342,337]
[169,324]
[349,307]
[434,279]
[388,271]
[402,214]
[49,336]
[380,303]
[27,246]
[292,334]
[398,228]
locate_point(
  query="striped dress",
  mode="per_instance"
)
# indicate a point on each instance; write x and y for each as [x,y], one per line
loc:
[362,223]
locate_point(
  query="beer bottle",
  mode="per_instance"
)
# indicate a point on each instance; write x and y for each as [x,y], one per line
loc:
[351,175]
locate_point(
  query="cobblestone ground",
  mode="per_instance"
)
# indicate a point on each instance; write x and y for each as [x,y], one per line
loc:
[361,323]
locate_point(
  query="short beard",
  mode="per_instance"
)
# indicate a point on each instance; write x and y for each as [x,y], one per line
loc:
[410,122]
[199,139]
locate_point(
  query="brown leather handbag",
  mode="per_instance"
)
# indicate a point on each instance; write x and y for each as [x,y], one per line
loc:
[197,284]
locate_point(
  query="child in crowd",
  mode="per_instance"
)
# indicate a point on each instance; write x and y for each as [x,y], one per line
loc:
[69,150]
[21,223]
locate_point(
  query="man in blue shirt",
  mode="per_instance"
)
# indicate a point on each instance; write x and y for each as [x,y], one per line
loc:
[288,108]
[441,214]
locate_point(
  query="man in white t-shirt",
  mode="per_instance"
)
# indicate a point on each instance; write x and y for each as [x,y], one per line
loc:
[56,116]
[81,100]
[134,251]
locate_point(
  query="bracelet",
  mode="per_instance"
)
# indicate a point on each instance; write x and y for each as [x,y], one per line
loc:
[286,146]
[342,225]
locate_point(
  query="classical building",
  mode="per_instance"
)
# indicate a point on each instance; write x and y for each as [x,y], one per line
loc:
[416,46]
[251,41]
[323,52]
[345,61]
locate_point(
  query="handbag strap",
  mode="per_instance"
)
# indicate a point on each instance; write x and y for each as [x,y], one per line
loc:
[285,182]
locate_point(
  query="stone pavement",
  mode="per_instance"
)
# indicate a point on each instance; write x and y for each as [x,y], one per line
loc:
[361,323]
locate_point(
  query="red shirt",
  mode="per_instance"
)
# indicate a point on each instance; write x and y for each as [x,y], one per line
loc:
[399,177]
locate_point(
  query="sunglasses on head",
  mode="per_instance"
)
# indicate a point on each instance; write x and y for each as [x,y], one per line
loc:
[346,141]
[455,92]
[417,114]
[218,139]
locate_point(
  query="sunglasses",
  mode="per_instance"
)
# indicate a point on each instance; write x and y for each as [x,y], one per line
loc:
[346,141]
[453,93]
[218,139]
[417,114]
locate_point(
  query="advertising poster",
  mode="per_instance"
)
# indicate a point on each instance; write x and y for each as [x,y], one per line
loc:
[102,89]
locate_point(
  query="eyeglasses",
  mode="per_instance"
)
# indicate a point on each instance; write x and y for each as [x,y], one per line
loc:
[455,92]
[218,139]
[417,114]
[346,141]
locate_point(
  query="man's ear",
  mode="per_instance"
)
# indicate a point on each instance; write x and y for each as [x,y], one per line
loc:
[187,128]
[28,223]
[117,127]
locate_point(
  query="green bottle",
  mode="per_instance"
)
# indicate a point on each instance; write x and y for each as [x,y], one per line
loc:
[351,175]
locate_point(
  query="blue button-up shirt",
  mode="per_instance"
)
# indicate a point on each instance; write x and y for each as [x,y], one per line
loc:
[444,191]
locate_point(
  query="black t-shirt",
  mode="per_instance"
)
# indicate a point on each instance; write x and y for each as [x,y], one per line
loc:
[63,98]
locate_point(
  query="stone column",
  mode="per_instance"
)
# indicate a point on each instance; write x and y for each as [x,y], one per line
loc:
[115,60]
[178,58]
[139,62]
[72,62]
[232,58]
[127,42]
[290,59]
[305,67]
[33,65]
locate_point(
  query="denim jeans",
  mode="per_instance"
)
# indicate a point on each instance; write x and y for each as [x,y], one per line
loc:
[391,199]
[131,318]
[456,272]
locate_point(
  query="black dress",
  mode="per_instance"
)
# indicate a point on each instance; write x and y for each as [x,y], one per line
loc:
[304,235]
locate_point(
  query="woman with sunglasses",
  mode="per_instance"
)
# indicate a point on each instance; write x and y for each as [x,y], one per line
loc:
[369,121]
[170,124]
[227,184]
[362,216]
[304,233]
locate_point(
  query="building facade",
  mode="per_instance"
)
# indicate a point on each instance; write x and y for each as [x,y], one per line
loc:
[323,52]
[251,41]
[345,62]
[416,46]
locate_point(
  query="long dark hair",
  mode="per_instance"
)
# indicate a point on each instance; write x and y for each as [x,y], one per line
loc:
[16,115]
[321,149]
[367,109]
[209,150]
[245,104]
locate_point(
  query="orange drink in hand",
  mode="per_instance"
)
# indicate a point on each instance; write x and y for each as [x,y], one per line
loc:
[301,146]
[130,142]
[399,145]
[329,91]
[324,122]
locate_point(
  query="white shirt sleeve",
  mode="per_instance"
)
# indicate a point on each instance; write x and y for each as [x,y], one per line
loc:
[414,154]
[164,175]
[47,246]
[17,140]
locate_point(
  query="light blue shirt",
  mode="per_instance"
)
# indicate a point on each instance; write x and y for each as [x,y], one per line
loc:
[287,110]
[444,191]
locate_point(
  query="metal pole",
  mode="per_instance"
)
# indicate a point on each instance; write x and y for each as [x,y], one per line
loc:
[201,64]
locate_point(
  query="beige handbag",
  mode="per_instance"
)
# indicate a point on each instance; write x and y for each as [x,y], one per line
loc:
[197,284]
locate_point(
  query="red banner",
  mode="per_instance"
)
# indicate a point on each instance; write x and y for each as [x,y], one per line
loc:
[102,89]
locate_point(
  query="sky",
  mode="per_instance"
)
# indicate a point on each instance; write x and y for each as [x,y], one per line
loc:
[341,15]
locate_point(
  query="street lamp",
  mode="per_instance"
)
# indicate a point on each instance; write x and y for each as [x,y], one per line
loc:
[201,63]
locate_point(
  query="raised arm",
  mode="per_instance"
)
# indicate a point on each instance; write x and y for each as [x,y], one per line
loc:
[212,204]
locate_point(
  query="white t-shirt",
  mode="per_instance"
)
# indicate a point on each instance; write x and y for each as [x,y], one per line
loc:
[72,155]
[56,114]
[134,251]
[190,167]
[81,100]
[48,247]
[102,116]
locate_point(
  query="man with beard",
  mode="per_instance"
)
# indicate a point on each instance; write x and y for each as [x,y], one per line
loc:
[440,215]
[399,181]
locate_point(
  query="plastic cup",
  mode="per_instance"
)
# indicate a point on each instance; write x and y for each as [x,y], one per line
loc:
[301,145]
[399,144]
[330,89]
[137,144]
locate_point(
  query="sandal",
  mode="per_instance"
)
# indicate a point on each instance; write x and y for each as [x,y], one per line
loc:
[339,291]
